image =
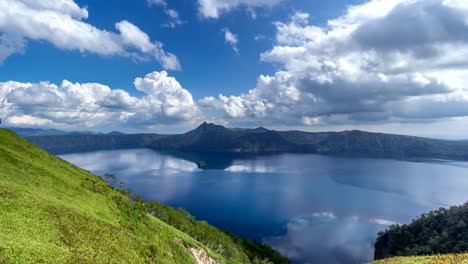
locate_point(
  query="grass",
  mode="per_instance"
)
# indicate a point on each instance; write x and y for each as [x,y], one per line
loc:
[439,259]
[218,240]
[54,212]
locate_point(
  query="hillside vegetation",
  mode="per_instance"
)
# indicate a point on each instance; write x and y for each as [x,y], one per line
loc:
[438,259]
[54,212]
[442,231]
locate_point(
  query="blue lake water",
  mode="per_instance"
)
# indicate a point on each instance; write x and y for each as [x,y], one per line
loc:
[312,208]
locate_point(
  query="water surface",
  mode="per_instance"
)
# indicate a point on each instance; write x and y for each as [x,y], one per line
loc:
[312,208]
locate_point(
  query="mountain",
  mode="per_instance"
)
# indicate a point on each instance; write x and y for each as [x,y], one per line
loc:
[441,231]
[115,133]
[215,138]
[34,132]
[211,138]
[30,132]
[54,212]
[62,144]
[359,143]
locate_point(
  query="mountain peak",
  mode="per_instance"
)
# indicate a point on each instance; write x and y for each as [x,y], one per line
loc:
[261,129]
[206,125]
[115,133]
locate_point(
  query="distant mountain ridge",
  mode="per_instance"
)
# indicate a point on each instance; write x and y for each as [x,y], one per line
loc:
[216,138]
[70,143]
[29,132]
[35,132]
[211,138]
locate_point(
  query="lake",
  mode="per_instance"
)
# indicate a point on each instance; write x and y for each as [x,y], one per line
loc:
[312,208]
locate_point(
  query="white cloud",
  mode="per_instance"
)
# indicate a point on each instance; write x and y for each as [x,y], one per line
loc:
[93,105]
[328,215]
[174,17]
[383,222]
[166,100]
[231,38]
[157,2]
[363,67]
[62,24]
[27,120]
[9,45]
[214,8]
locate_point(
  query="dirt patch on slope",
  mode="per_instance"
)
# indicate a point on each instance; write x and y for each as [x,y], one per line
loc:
[201,257]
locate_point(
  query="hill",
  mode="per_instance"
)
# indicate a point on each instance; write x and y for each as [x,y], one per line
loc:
[211,138]
[360,143]
[216,138]
[31,132]
[54,212]
[62,144]
[35,132]
[438,232]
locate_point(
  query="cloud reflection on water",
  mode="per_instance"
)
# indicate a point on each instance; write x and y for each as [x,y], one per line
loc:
[314,208]
[142,170]
[314,238]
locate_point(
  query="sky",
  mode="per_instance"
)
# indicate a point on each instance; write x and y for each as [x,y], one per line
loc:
[165,66]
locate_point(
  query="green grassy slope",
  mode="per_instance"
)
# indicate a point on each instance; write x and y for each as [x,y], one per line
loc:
[54,212]
[439,259]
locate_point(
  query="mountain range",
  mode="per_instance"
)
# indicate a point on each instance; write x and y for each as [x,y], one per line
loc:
[33,132]
[211,138]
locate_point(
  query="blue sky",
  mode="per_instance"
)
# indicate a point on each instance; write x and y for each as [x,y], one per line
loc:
[198,43]
[396,66]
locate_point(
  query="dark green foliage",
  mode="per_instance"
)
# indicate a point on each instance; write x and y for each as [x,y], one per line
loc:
[438,232]
[258,252]
[214,238]
[220,241]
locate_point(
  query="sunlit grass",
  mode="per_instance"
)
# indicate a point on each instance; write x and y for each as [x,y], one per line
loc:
[54,212]
[439,259]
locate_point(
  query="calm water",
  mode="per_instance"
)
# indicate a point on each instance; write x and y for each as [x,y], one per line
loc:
[312,208]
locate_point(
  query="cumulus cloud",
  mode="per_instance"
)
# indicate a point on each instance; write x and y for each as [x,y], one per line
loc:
[93,105]
[214,8]
[62,23]
[231,38]
[363,67]
[166,100]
